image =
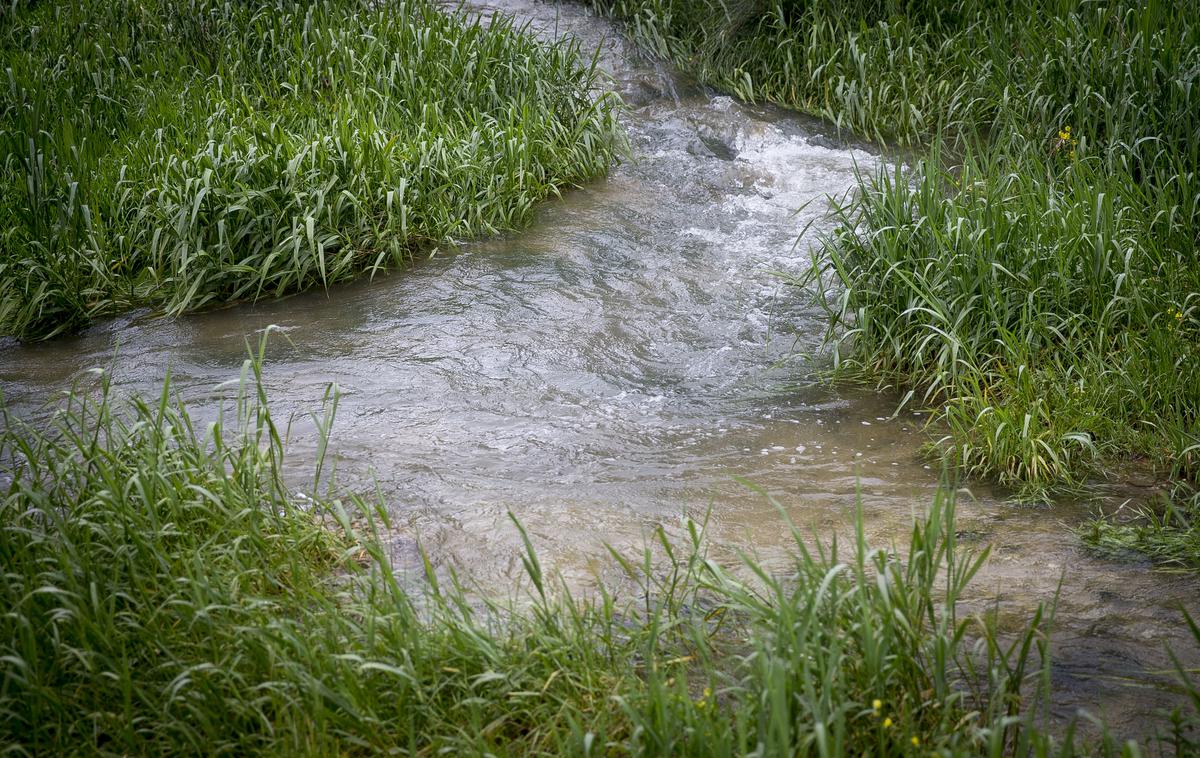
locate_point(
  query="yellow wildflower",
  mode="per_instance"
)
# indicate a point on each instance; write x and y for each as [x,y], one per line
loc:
[1065,141]
[876,704]
[887,723]
[916,741]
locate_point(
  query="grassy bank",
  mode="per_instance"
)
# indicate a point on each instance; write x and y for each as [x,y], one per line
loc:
[179,155]
[163,592]
[1035,275]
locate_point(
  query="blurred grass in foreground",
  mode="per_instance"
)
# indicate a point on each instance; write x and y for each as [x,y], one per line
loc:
[164,592]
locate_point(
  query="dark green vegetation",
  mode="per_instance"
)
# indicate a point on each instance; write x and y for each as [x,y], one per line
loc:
[184,153]
[164,593]
[1167,531]
[1036,275]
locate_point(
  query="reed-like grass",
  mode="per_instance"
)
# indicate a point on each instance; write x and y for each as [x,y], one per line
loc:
[905,71]
[1167,532]
[163,592]
[1054,315]
[181,154]
[1034,275]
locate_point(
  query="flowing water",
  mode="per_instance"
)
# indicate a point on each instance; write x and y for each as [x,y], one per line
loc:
[620,365]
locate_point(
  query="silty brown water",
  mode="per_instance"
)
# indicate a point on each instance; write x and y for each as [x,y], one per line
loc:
[617,365]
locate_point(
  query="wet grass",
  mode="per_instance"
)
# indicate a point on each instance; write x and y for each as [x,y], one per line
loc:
[1167,532]
[1034,277]
[165,593]
[180,155]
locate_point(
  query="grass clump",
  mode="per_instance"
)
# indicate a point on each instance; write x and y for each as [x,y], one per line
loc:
[1167,533]
[1052,314]
[178,155]
[164,592]
[1034,275]
[905,71]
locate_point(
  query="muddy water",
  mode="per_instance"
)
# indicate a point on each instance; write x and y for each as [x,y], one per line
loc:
[618,364]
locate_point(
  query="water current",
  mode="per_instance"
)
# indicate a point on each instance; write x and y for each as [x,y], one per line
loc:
[620,364]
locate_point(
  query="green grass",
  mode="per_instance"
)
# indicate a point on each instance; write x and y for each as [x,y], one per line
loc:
[1034,276]
[1166,532]
[179,155]
[164,593]
[1052,315]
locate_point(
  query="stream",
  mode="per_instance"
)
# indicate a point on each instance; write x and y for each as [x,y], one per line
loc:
[621,364]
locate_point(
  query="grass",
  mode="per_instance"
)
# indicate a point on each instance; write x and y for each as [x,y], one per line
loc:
[164,592]
[1033,276]
[181,155]
[1167,533]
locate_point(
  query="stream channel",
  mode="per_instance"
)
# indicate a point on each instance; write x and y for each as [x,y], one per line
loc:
[619,364]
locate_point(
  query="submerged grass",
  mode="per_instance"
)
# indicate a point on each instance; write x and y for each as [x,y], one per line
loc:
[1166,532]
[179,155]
[164,592]
[1035,276]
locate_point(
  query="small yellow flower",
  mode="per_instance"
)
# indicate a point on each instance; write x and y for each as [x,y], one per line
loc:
[876,704]
[916,741]
[1065,142]
[887,723]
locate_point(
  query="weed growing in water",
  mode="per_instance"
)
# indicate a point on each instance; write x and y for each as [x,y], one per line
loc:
[1168,533]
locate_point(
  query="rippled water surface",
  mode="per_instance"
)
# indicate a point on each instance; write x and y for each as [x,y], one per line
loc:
[618,364]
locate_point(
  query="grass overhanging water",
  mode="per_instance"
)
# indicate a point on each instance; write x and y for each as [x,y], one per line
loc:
[181,155]
[165,592]
[1034,276]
